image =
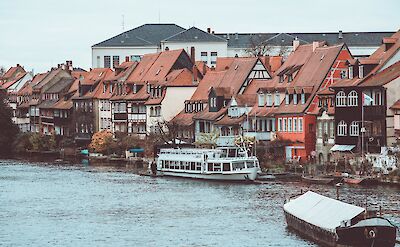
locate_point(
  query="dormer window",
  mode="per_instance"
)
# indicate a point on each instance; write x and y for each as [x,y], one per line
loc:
[104,87]
[351,72]
[277,99]
[295,99]
[261,99]
[303,98]
[269,99]
[287,99]
[290,78]
[281,78]
[361,71]
[111,87]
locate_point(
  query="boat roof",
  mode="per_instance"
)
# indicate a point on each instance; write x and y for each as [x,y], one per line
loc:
[321,211]
[374,222]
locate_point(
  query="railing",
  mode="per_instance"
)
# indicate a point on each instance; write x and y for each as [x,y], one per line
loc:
[260,136]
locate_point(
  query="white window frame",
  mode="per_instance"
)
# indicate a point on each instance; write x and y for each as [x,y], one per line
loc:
[352,98]
[290,125]
[342,128]
[294,124]
[300,120]
[279,124]
[354,129]
[341,99]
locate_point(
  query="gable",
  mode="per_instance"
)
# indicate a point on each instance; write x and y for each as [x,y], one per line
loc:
[259,71]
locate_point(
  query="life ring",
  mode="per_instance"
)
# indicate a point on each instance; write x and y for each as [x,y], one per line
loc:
[372,234]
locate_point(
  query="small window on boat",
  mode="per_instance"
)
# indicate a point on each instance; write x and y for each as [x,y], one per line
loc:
[226,167]
[210,167]
[238,166]
[198,166]
[250,164]
[192,166]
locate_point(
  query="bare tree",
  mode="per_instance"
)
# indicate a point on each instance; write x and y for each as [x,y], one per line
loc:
[2,71]
[258,46]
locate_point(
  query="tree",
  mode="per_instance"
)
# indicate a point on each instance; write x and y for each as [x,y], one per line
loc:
[9,130]
[2,71]
[258,46]
[102,142]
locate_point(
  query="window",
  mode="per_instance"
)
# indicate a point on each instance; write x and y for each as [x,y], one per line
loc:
[284,124]
[290,78]
[98,61]
[287,99]
[204,57]
[279,124]
[107,61]
[319,127]
[115,61]
[213,102]
[341,99]
[295,99]
[303,98]
[354,130]
[289,125]
[377,97]
[277,99]
[360,71]
[136,58]
[281,79]
[300,124]
[342,128]
[261,99]
[294,124]
[269,99]
[331,129]
[213,58]
[352,98]
[351,72]
[343,74]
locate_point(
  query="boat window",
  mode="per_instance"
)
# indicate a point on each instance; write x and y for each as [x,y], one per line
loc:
[192,166]
[226,167]
[210,167]
[250,164]
[198,166]
[238,166]
[217,167]
[232,153]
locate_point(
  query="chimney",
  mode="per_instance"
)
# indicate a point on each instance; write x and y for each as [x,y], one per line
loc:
[388,42]
[208,30]
[213,32]
[236,36]
[340,35]
[126,58]
[296,44]
[315,45]
[192,54]
[194,74]
[69,65]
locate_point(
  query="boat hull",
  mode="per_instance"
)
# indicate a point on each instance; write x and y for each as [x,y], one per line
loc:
[310,231]
[362,236]
[244,175]
[318,180]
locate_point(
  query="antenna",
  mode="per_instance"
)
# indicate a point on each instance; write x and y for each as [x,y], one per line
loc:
[123,23]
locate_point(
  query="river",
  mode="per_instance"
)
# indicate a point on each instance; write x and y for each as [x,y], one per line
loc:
[53,205]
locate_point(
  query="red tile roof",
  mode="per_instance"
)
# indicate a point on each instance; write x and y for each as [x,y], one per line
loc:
[12,72]
[396,105]
[183,118]
[12,82]
[226,120]
[263,111]
[211,79]
[95,75]
[383,77]
[211,116]
[63,105]
[223,63]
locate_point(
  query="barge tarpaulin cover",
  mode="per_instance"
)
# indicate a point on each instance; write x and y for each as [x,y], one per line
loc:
[321,211]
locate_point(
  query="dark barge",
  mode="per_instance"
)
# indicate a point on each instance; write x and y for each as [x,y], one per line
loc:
[334,223]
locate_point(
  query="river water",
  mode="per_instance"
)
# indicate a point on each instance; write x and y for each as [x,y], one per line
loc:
[53,205]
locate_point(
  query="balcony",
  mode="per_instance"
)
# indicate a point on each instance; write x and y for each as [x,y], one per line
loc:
[374,111]
[260,136]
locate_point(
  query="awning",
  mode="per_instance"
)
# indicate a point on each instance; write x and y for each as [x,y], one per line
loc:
[136,150]
[342,148]
[321,211]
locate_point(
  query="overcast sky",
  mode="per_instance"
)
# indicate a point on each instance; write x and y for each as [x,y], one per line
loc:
[42,33]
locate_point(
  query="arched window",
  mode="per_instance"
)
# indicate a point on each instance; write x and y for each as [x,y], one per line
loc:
[342,128]
[354,129]
[352,98]
[341,99]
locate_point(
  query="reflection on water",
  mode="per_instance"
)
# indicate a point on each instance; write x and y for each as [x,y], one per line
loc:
[102,206]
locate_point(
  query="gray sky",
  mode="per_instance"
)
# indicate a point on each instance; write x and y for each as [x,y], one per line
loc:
[41,33]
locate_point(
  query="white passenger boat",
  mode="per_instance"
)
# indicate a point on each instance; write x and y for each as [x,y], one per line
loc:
[216,164]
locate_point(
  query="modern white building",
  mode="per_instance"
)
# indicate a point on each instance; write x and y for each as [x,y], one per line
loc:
[151,38]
